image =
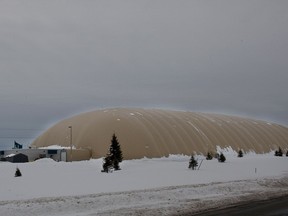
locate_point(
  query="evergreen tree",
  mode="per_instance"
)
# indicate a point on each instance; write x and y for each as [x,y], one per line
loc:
[222,158]
[209,156]
[279,152]
[192,163]
[113,157]
[287,153]
[276,153]
[107,164]
[115,153]
[240,153]
[18,173]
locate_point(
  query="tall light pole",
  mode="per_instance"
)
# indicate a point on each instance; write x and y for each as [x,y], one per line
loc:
[70,127]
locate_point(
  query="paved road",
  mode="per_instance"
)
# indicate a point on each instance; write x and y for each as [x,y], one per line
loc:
[275,207]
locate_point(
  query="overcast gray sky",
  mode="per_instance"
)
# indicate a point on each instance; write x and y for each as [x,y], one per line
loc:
[60,58]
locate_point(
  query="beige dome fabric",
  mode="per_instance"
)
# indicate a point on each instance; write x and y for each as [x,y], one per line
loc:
[157,133]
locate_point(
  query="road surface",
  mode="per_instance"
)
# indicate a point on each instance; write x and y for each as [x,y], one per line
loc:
[274,207]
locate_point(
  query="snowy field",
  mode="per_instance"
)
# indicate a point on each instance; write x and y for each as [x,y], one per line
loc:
[163,186]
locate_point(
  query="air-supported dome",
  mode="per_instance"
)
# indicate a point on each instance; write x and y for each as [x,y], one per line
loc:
[157,133]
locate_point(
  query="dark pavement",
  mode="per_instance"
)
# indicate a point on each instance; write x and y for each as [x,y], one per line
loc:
[274,207]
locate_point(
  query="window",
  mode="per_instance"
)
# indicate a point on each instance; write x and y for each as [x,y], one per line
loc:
[51,152]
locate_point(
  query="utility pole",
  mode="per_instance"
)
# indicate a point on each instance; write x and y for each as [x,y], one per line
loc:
[70,127]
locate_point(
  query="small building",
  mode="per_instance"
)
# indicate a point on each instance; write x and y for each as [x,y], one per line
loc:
[17,158]
[53,153]
[35,154]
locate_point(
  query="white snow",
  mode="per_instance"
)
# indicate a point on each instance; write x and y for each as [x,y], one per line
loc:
[10,155]
[161,186]
[57,147]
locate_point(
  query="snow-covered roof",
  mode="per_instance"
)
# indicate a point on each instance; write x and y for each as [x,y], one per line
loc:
[57,147]
[10,155]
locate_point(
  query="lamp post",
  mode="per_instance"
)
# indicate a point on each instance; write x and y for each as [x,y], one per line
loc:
[70,127]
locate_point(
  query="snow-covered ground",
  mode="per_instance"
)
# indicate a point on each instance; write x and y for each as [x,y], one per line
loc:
[163,186]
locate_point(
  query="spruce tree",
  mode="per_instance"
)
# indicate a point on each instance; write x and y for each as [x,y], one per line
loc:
[240,153]
[209,156]
[287,153]
[279,152]
[276,153]
[222,158]
[18,173]
[115,152]
[192,163]
[107,163]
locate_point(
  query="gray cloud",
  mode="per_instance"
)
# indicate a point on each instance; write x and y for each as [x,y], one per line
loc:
[59,58]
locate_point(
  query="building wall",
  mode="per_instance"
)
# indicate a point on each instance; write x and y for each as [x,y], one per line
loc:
[78,154]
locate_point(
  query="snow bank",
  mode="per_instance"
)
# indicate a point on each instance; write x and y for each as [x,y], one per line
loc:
[45,160]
